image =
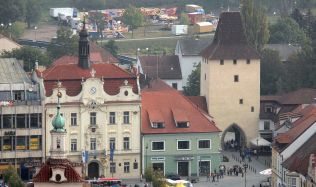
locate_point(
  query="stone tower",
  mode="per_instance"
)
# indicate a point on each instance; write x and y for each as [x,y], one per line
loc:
[230,81]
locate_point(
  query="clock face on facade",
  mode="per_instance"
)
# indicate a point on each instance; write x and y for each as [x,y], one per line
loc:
[93,90]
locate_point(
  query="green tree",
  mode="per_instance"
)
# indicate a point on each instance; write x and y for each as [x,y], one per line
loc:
[11,11]
[99,20]
[255,24]
[12,178]
[184,19]
[32,12]
[111,47]
[29,55]
[17,29]
[90,4]
[271,69]
[64,44]
[133,18]
[193,84]
[286,30]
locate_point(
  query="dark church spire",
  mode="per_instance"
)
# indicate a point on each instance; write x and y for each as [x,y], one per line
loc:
[84,50]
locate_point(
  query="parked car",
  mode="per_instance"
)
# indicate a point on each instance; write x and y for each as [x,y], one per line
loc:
[173,176]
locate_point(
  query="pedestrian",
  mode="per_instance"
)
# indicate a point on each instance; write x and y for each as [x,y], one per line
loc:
[213,177]
[208,178]
[217,177]
[255,153]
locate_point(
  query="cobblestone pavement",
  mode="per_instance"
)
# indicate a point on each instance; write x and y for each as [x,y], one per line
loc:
[252,177]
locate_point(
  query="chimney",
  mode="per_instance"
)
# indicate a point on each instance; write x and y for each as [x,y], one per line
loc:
[84,49]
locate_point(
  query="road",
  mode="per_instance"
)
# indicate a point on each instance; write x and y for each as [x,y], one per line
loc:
[156,38]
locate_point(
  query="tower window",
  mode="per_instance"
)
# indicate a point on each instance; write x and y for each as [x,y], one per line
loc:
[221,62]
[93,118]
[252,109]
[241,101]
[205,76]
[248,61]
[58,143]
[236,78]
[234,61]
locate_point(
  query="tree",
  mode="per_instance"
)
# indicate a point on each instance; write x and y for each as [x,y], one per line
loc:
[286,30]
[193,84]
[133,18]
[111,47]
[29,55]
[271,69]
[99,20]
[64,44]
[298,17]
[184,19]
[12,178]
[32,12]
[89,5]
[255,24]
[11,11]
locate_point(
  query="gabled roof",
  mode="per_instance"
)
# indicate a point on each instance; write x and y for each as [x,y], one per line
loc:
[193,46]
[230,41]
[199,101]
[300,96]
[100,55]
[71,75]
[285,50]
[169,102]
[11,71]
[168,66]
[7,44]
[299,161]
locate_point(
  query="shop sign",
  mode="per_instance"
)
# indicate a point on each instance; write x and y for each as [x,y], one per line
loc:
[157,158]
[20,147]
[185,158]
[9,133]
[34,143]
[6,147]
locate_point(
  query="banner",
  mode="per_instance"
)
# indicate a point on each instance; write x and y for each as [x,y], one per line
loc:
[85,156]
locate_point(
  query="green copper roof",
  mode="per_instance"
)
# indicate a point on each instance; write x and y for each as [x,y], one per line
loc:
[58,121]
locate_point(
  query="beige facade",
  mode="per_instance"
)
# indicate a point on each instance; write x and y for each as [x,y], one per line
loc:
[232,91]
[89,128]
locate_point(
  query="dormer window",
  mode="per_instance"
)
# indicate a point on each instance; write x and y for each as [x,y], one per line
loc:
[157,125]
[268,109]
[183,124]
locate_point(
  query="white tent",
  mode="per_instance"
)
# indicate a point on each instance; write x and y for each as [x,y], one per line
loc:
[266,172]
[260,142]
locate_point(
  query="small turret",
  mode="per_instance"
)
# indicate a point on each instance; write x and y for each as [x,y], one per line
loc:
[84,49]
[58,122]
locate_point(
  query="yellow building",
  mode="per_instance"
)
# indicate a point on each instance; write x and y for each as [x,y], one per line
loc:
[230,81]
[101,106]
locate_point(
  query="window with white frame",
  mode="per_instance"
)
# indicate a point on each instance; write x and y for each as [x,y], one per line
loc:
[93,143]
[266,125]
[73,145]
[73,119]
[292,182]
[112,117]
[157,125]
[183,144]
[126,167]
[112,167]
[204,144]
[126,143]
[93,118]
[126,117]
[158,146]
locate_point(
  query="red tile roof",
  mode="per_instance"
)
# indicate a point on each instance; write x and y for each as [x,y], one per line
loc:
[199,101]
[45,172]
[70,74]
[166,101]
[300,96]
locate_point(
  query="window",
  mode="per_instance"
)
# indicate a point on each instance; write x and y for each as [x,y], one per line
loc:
[182,124]
[126,167]
[241,101]
[126,117]
[221,62]
[158,146]
[234,61]
[266,125]
[248,61]
[20,121]
[175,86]
[268,109]
[183,145]
[112,167]
[293,182]
[252,109]
[73,119]
[205,76]
[236,78]
[112,143]
[112,117]
[18,96]
[58,143]
[157,125]
[126,143]
[93,118]
[93,143]
[8,121]
[204,144]
[36,120]
[20,143]
[73,145]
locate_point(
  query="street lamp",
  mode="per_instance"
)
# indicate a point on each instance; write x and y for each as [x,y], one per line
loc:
[35,29]
[245,165]
[10,24]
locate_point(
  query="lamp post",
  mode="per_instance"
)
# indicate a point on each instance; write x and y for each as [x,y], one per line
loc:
[10,25]
[35,29]
[146,156]
[245,165]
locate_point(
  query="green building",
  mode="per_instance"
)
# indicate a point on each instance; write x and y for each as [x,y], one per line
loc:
[177,136]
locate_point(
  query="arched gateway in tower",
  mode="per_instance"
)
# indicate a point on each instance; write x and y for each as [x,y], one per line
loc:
[230,80]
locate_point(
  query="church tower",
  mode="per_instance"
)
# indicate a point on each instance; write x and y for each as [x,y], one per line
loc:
[84,49]
[58,135]
[230,81]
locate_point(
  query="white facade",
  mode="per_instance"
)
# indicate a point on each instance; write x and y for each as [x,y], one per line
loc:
[187,63]
[89,127]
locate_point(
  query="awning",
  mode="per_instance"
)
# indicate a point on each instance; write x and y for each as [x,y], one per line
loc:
[260,142]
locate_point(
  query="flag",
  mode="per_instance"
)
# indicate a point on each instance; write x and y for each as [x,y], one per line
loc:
[85,156]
